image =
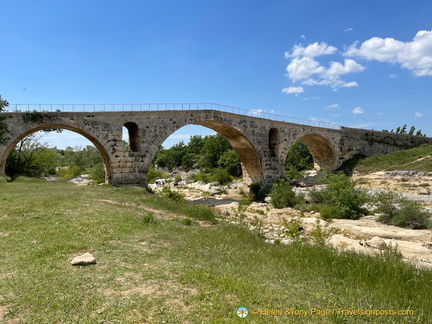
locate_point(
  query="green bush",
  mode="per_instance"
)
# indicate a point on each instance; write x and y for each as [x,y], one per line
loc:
[401,212]
[330,212]
[341,196]
[220,175]
[69,172]
[201,176]
[257,192]
[97,173]
[154,174]
[282,195]
[171,194]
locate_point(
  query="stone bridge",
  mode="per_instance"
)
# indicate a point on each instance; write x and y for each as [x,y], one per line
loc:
[262,144]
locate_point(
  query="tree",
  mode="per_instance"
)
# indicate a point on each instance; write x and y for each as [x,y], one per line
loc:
[214,147]
[298,159]
[31,158]
[231,162]
[402,131]
[3,127]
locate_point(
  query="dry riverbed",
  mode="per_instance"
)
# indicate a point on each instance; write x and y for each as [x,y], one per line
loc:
[365,235]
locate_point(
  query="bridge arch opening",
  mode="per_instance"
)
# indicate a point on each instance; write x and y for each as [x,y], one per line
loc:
[96,150]
[321,151]
[250,162]
[133,138]
[232,145]
[273,141]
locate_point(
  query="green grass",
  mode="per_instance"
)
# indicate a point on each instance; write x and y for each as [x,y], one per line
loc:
[415,159]
[161,271]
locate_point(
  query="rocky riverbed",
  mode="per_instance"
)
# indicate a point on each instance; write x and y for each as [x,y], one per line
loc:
[281,226]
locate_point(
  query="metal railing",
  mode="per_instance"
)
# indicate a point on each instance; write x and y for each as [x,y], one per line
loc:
[259,113]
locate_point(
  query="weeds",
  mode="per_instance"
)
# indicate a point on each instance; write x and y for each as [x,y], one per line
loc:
[149,218]
[321,233]
[294,228]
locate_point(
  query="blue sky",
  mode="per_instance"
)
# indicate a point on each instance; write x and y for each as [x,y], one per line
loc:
[358,63]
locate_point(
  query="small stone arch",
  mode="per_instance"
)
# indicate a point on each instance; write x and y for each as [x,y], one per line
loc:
[134,137]
[273,141]
[14,140]
[322,152]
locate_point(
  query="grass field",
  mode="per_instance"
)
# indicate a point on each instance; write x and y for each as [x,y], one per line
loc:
[415,159]
[152,267]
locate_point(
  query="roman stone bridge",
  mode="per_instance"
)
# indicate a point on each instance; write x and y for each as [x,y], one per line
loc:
[262,144]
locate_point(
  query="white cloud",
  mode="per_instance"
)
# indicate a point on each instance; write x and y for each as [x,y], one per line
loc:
[337,69]
[295,90]
[305,68]
[348,30]
[417,114]
[380,113]
[333,106]
[358,111]
[312,50]
[415,55]
[393,76]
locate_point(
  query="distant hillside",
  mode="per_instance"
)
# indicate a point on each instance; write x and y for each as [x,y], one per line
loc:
[415,159]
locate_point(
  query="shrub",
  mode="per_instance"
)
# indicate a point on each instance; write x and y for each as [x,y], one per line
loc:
[171,194]
[201,176]
[341,195]
[282,195]
[258,192]
[401,212]
[69,172]
[330,212]
[154,174]
[97,173]
[220,175]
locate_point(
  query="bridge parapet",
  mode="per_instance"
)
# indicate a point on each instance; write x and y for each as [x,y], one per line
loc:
[260,113]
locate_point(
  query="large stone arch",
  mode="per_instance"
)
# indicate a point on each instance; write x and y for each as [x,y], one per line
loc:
[15,136]
[250,161]
[323,153]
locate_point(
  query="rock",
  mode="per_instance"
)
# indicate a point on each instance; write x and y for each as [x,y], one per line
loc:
[225,212]
[215,190]
[376,242]
[237,185]
[344,243]
[84,259]
[423,192]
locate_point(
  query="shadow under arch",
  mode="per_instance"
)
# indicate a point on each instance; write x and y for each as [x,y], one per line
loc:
[250,162]
[105,156]
[323,154]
